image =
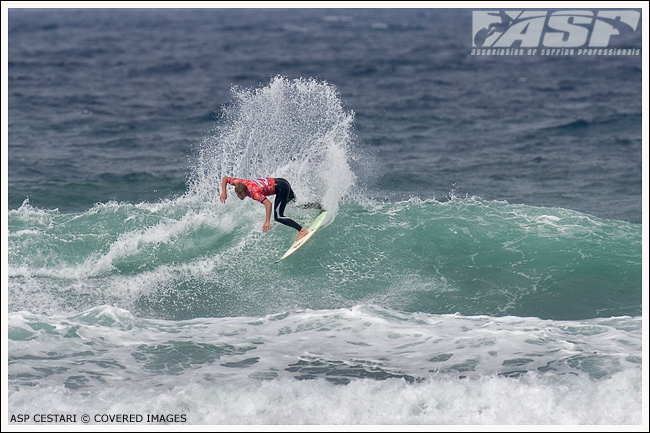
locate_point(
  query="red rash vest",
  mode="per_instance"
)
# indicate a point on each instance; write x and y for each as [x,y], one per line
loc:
[258,189]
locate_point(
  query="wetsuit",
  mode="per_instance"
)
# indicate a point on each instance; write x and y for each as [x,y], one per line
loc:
[259,189]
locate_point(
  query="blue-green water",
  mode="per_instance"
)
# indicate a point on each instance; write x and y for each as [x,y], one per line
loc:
[481,262]
[466,256]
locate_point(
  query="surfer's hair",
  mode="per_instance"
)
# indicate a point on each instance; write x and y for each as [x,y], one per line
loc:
[241,188]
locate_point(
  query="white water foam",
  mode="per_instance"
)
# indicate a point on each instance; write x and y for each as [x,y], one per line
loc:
[531,400]
[363,365]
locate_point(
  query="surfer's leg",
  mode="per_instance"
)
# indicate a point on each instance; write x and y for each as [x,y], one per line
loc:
[284,220]
[283,195]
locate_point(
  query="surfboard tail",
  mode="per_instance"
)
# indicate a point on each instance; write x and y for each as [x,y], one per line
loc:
[300,242]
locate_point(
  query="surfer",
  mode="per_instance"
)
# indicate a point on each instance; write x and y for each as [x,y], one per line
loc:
[258,190]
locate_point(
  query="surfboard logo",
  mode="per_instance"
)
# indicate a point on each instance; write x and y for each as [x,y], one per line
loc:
[557,29]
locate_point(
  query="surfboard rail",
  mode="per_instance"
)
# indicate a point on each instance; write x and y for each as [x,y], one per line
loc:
[300,242]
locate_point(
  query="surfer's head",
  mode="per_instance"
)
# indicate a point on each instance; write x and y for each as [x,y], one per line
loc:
[241,190]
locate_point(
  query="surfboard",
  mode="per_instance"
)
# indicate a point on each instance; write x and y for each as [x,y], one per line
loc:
[312,229]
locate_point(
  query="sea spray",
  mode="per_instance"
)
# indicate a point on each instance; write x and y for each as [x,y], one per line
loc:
[294,129]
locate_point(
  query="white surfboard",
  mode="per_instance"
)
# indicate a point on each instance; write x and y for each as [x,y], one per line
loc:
[312,229]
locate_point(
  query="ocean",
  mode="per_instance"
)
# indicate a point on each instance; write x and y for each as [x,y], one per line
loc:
[480,264]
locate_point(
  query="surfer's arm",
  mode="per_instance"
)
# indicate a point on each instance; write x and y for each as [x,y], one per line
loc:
[267,224]
[224,184]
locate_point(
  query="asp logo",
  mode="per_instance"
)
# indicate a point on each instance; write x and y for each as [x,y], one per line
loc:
[558,29]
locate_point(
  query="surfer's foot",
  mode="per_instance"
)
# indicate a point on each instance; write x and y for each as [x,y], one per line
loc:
[302,234]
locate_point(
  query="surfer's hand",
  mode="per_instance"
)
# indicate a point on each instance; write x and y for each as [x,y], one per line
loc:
[266,227]
[223,197]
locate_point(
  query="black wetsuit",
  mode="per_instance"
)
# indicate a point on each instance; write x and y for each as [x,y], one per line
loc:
[283,195]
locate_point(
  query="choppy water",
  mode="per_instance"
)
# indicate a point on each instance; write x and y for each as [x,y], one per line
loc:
[481,262]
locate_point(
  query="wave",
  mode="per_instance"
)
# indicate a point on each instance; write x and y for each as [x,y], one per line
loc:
[364,365]
[412,346]
[192,256]
[188,258]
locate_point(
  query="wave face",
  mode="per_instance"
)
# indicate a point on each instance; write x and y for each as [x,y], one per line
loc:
[185,258]
[192,256]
